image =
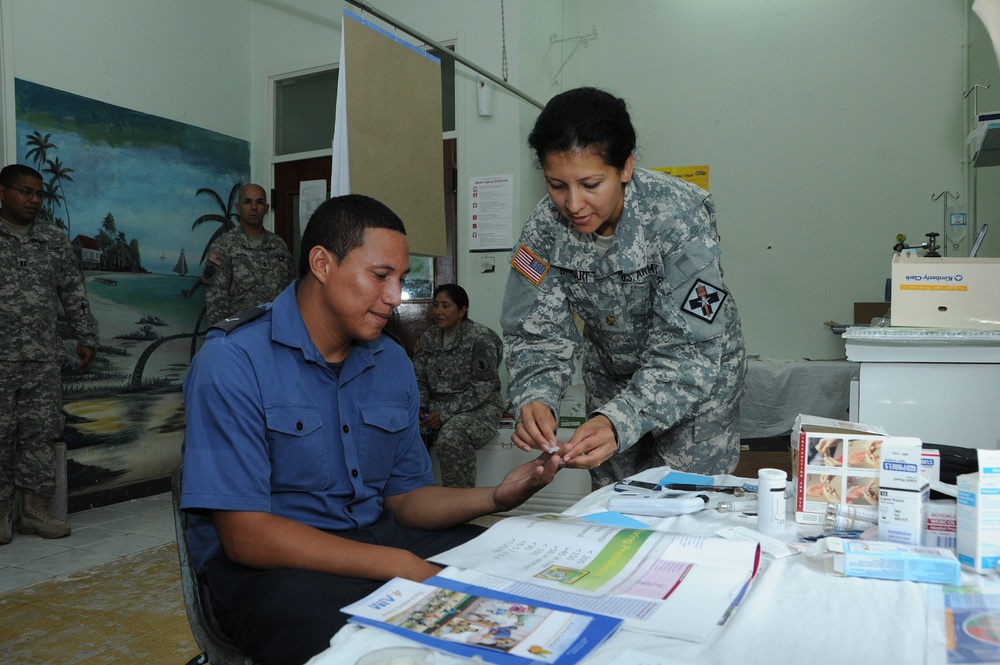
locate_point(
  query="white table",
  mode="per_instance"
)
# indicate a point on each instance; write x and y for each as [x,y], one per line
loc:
[793,613]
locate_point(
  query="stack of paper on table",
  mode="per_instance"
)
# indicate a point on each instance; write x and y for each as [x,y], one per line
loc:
[660,583]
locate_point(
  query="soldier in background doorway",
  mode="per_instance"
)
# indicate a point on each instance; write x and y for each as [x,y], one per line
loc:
[246,266]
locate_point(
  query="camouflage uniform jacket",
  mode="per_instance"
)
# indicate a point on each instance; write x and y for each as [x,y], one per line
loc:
[39,276]
[240,274]
[462,377]
[661,339]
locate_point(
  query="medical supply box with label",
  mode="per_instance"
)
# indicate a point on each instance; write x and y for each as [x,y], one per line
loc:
[835,462]
[960,293]
[903,491]
[940,517]
[979,514]
[892,561]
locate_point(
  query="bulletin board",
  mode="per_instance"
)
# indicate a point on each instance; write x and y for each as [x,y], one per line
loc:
[394,130]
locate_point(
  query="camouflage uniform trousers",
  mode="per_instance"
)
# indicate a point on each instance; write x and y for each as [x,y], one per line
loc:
[708,444]
[31,420]
[456,444]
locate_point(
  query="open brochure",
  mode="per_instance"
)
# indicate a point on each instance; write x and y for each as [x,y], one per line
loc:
[962,624]
[471,621]
[659,583]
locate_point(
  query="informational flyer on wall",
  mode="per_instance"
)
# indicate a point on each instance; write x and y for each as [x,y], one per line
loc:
[491,213]
[312,193]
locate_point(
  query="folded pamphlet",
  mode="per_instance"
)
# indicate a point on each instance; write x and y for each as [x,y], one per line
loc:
[471,621]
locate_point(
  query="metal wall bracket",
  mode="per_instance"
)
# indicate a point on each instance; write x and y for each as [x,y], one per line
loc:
[581,40]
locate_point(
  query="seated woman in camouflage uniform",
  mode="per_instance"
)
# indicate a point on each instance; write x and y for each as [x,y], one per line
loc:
[456,365]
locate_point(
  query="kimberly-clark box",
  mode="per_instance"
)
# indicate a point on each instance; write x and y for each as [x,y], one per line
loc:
[835,461]
[946,292]
[978,543]
[893,561]
[903,491]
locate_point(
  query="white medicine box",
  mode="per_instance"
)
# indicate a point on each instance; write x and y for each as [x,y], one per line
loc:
[957,293]
[903,491]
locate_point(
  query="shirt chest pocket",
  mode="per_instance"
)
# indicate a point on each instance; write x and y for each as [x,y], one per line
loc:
[44,265]
[247,270]
[383,430]
[298,453]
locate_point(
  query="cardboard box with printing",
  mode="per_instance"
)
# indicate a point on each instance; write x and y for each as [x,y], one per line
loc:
[835,462]
[903,491]
[979,514]
[958,293]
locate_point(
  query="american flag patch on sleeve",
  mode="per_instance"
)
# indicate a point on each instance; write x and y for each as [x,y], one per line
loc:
[529,265]
[216,259]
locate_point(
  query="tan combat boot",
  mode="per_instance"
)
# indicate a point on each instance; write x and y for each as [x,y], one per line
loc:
[6,508]
[36,518]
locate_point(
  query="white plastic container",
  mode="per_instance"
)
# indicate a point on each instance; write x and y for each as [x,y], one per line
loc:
[771,500]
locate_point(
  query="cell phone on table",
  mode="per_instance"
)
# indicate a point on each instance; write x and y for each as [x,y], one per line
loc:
[637,486]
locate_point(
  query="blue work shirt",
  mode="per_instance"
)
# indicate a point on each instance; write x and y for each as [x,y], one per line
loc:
[272,428]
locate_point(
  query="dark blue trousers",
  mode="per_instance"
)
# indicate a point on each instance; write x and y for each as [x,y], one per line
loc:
[287,616]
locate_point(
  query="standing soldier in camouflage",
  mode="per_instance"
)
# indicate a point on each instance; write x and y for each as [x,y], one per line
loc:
[246,266]
[456,366]
[39,276]
[635,255]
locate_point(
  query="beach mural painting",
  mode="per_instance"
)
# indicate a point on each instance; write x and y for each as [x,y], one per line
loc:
[140,198]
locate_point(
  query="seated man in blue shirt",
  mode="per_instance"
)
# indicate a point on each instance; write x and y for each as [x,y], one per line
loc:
[305,477]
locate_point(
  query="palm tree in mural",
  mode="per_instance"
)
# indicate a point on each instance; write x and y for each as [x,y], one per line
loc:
[50,201]
[226,220]
[106,243]
[40,146]
[59,174]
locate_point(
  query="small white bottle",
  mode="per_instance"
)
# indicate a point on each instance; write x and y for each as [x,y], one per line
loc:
[771,501]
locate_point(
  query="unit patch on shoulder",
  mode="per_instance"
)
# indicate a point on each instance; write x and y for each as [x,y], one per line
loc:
[528,264]
[704,301]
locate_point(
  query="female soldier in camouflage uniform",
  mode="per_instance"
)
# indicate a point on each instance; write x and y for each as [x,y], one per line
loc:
[635,255]
[456,366]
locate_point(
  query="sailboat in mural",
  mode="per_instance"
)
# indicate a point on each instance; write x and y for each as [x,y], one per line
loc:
[181,268]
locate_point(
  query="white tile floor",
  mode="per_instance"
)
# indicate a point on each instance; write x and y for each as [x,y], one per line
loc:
[99,535]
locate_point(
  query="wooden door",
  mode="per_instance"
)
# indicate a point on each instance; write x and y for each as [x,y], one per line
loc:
[285,196]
